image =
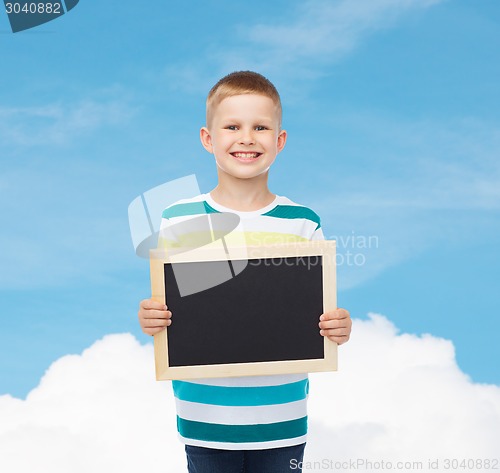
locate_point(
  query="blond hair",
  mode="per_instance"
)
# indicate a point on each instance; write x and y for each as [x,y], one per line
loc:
[239,83]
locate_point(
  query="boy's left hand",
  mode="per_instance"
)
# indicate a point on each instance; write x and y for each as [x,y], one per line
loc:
[336,325]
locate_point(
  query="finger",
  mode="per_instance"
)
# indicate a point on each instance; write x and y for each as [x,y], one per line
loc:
[339,340]
[152,327]
[153,331]
[335,314]
[334,323]
[336,337]
[153,323]
[155,314]
[337,332]
[152,304]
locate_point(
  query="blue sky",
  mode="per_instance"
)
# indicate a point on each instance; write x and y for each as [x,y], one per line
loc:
[394,130]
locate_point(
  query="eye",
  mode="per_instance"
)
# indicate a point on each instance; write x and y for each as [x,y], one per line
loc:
[260,128]
[231,127]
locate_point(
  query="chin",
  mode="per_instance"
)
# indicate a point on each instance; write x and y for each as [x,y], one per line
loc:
[241,174]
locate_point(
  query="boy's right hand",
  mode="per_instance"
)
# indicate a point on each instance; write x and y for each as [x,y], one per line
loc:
[153,316]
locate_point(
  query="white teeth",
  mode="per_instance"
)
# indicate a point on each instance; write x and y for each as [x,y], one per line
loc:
[245,155]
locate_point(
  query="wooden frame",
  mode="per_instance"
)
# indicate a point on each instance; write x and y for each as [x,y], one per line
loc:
[325,249]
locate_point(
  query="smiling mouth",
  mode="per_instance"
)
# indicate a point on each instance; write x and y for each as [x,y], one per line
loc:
[246,155]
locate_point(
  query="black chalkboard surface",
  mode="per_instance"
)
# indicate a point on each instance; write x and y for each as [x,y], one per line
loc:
[256,313]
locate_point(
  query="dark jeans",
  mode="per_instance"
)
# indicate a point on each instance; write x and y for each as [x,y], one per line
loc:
[273,460]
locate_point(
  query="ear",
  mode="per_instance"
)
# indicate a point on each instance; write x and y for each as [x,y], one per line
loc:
[206,139]
[281,140]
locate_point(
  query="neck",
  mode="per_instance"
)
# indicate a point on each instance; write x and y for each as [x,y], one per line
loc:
[243,194]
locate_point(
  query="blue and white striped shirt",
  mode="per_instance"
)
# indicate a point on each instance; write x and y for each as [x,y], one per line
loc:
[252,412]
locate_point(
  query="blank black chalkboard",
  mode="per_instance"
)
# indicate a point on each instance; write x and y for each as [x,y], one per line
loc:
[258,315]
[245,311]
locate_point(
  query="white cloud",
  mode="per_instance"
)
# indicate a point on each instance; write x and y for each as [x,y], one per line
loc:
[396,397]
[100,411]
[401,397]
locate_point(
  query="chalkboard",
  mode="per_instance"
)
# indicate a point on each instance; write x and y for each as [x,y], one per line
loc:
[245,311]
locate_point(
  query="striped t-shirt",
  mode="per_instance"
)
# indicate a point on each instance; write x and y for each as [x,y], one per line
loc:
[251,412]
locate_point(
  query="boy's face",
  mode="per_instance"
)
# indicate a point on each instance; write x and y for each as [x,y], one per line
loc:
[244,135]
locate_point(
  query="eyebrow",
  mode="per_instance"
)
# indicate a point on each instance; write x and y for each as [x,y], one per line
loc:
[259,119]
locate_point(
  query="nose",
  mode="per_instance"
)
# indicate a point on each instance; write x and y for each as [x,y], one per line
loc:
[246,137]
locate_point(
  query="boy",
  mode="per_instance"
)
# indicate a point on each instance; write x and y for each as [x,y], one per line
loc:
[254,424]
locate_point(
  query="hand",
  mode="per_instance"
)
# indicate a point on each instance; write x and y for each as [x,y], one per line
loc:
[153,316]
[336,325]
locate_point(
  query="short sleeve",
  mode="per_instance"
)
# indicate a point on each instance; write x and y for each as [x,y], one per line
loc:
[318,235]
